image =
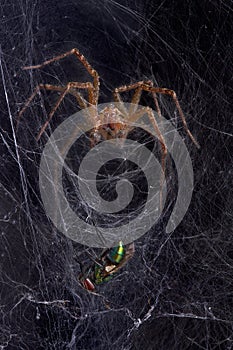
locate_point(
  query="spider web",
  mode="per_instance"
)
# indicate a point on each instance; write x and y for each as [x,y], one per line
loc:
[176,292]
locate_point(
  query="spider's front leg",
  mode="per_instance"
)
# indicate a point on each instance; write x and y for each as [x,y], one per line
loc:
[85,63]
[93,88]
[148,86]
[69,88]
[138,87]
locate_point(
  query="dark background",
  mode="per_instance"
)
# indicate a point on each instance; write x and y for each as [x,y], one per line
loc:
[176,293]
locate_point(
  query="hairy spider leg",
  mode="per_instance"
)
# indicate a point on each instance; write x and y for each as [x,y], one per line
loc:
[93,89]
[138,87]
[84,61]
[146,86]
[50,87]
[69,88]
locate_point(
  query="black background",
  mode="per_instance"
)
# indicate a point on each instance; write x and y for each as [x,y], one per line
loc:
[176,293]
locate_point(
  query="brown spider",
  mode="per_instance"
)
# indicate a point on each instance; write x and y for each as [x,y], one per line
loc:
[109,122]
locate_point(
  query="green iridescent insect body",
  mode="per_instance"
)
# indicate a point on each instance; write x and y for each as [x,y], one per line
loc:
[105,270]
[107,265]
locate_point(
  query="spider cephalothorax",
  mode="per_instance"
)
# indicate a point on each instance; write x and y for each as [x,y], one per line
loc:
[110,124]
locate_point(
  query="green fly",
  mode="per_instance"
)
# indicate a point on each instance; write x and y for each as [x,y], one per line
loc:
[104,268]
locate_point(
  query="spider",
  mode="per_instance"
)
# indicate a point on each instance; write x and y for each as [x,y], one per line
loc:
[110,122]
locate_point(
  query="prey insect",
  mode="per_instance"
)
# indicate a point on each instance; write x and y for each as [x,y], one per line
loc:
[106,266]
[111,122]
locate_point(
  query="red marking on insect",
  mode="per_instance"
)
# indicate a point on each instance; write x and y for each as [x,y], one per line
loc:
[87,284]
